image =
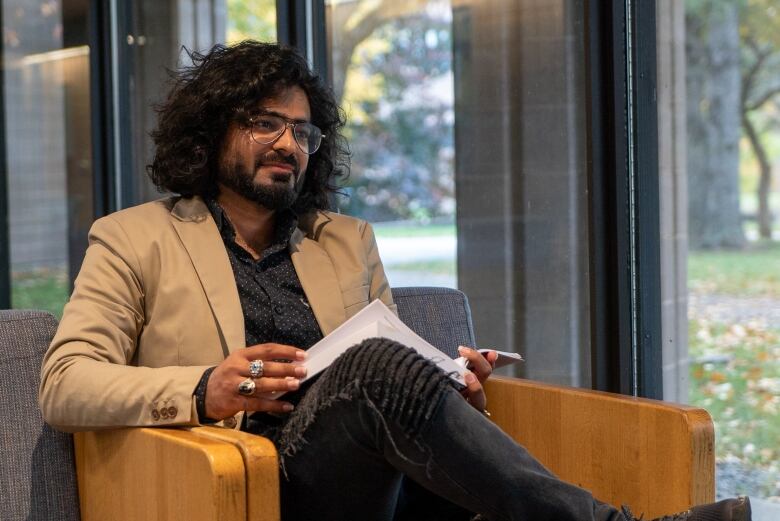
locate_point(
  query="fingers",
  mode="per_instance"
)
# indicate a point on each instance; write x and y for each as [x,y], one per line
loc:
[270,385]
[474,392]
[477,363]
[275,369]
[271,351]
[491,357]
[259,404]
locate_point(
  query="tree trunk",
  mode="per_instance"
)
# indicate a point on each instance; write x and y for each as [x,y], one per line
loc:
[714,125]
[764,217]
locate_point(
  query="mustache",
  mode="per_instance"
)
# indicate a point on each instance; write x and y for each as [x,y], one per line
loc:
[275,157]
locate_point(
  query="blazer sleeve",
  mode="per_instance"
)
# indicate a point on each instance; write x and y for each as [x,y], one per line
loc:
[379,288]
[88,381]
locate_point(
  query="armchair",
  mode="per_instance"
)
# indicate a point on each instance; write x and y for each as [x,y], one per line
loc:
[654,456]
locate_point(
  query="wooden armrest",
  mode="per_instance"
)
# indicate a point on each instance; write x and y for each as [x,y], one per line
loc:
[262,470]
[653,456]
[202,473]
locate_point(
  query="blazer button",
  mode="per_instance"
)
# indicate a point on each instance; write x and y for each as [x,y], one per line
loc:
[164,412]
[230,423]
[155,414]
[172,411]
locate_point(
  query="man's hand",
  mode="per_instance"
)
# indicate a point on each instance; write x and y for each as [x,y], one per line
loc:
[480,367]
[222,398]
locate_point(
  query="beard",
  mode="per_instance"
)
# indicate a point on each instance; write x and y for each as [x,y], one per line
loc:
[279,195]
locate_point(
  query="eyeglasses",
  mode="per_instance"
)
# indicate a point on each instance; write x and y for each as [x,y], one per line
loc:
[267,128]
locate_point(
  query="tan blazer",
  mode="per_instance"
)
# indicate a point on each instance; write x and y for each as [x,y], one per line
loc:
[155,304]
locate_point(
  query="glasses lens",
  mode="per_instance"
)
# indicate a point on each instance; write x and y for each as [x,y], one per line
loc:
[308,137]
[267,128]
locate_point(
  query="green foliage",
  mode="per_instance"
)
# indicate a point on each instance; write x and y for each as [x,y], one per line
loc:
[398,92]
[251,19]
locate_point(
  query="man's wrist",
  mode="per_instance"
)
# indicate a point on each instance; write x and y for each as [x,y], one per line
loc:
[200,397]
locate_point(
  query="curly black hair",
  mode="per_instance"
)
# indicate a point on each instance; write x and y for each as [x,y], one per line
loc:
[225,85]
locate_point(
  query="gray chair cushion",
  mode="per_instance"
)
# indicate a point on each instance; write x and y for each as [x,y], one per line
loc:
[37,471]
[440,315]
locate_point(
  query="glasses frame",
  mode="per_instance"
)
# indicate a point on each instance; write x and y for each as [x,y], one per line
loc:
[288,123]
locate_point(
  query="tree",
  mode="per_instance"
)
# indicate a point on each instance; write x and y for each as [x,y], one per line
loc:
[391,65]
[399,93]
[355,21]
[760,35]
[251,19]
[713,87]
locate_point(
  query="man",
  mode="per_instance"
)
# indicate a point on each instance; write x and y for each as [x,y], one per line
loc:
[186,309]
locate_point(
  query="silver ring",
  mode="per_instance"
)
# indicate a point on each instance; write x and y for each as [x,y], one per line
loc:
[256,368]
[247,387]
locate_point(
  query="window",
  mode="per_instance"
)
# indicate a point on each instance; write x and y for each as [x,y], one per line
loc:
[152,37]
[467,122]
[718,66]
[47,146]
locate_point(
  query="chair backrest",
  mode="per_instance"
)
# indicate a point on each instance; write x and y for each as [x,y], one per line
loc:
[440,315]
[37,471]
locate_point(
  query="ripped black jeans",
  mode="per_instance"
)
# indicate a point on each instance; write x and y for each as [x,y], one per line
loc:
[383,436]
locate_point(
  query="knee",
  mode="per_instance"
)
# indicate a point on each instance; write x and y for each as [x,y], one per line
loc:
[400,383]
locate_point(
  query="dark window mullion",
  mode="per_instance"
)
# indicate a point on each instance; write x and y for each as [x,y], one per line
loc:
[625,267]
[647,208]
[292,22]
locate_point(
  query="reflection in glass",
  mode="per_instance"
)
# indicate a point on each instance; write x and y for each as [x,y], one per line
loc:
[157,37]
[48,147]
[466,122]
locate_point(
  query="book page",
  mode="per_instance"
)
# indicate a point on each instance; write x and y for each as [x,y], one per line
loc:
[376,320]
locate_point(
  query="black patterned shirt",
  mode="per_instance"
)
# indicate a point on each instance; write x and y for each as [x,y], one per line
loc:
[272,299]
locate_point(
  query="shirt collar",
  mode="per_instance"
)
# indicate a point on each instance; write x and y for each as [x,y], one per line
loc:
[285,224]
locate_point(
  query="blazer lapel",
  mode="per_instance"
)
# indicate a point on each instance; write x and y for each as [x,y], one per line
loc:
[199,234]
[319,281]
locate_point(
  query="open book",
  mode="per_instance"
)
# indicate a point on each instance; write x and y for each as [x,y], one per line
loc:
[376,320]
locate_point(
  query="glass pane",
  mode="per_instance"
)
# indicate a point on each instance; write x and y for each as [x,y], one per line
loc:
[721,258]
[466,124]
[153,42]
[48,147]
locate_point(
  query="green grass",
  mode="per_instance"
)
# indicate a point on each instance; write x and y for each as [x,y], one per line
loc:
[431,230]
[752,272]
[437,267]
[741,390]
[46,290]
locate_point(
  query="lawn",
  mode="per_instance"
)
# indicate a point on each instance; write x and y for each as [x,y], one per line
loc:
[752,272]
[406,230]
[735,365]
[45,289]
[735,376]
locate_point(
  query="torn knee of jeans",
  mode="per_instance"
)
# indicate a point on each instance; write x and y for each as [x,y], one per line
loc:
[395,381]
[404,386]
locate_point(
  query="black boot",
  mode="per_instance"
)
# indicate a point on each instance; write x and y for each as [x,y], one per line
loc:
[727,510]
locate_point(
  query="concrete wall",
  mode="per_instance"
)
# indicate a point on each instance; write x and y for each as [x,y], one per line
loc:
[521,181]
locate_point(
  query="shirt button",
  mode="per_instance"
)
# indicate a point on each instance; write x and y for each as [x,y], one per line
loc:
[278,309]
[229,422]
